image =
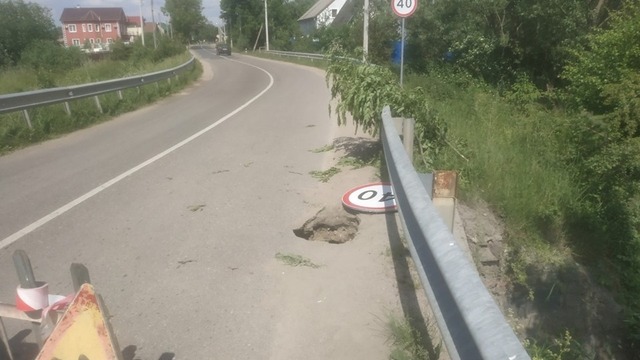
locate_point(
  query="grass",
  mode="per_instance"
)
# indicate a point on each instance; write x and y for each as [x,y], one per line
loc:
[359,163]
[296,260]
[407,343]
[322,149]
[514,162]
[51,121]
[326,175]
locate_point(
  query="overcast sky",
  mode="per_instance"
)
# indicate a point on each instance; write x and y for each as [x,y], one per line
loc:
[131,7]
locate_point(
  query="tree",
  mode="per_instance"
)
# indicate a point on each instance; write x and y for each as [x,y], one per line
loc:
[186,18]
[244,18]
[23,23]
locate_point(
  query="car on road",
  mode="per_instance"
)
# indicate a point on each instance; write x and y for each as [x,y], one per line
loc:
[223,49]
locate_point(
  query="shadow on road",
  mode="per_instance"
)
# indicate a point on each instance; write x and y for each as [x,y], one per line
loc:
[23,350]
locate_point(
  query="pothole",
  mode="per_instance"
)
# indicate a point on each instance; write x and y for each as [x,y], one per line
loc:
[333,225]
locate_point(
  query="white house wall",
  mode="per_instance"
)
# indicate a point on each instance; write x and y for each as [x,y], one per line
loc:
[325,18]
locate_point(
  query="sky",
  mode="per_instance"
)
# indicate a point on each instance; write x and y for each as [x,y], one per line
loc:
[130,7]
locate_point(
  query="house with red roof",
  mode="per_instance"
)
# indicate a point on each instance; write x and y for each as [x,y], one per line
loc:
[95,26]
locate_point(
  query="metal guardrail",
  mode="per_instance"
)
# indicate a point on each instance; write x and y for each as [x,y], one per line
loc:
[470,321]
[299,55]
[29,99]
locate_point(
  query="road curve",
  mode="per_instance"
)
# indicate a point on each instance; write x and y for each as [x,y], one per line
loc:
[177,210]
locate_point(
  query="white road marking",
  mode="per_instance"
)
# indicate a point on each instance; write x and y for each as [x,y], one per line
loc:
[63,209]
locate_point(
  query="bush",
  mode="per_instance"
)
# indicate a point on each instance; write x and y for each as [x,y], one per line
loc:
[120,51]
[167,48]
[42,54]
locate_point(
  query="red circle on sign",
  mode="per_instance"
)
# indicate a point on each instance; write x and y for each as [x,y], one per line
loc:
[371,198]
[399,8]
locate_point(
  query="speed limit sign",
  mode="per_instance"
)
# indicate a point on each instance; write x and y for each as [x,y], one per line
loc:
[404,8]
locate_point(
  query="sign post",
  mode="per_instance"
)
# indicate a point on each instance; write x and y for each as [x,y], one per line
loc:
[404,9]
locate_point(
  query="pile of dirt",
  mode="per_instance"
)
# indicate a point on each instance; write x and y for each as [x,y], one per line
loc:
[331,224]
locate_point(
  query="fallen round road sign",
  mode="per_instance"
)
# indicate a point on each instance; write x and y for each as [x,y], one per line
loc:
[371,198]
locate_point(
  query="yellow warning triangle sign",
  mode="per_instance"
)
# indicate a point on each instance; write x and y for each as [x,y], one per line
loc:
[83,332]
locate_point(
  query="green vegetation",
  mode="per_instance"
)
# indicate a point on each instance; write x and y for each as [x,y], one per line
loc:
[188,23]
[407,343]
[23,23]
[245,18]
[322,149]
[295,260]
[326,175]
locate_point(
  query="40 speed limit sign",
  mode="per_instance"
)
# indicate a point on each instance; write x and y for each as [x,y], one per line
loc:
[371,198]
[404,8]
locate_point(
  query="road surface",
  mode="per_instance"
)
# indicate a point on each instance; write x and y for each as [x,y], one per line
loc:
[179,209]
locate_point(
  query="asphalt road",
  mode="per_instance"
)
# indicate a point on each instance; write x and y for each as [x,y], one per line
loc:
[177,209]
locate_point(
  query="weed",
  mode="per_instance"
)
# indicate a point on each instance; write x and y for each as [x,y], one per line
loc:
[322,149]
[563,348]
[358,163]
[296,260]
[325,176]
[407,343]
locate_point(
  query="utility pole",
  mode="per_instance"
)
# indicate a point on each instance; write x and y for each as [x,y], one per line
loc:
[266,23]
[365,32]
[141,24]
[153,20]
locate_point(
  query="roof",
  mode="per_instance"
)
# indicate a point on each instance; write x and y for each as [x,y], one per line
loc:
[345,15]
[133,20]
[92,14]
[316,9]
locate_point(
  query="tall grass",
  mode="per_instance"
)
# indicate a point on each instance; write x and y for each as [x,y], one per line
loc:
[51,121]
[509,156]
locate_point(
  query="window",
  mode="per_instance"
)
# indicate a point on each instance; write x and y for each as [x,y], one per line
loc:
[107,27]
[90,27]
[91,41]
[72,28]
[98,40]
[110,40]
[84,27]
[76,42]
[97,28]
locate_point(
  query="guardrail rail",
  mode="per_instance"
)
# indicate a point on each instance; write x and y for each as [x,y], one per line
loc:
[29,99]
[471,324]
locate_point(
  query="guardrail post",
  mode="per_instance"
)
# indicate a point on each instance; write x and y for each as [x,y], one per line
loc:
[408,129]
[120,95]
[27,118]
[445,184]
[67,108]
[169,81]
[98,104]
[27,281]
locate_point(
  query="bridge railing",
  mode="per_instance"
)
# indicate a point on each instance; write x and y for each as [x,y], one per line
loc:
[471,324]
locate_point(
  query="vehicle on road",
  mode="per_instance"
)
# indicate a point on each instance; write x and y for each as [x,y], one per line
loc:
[223,49]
